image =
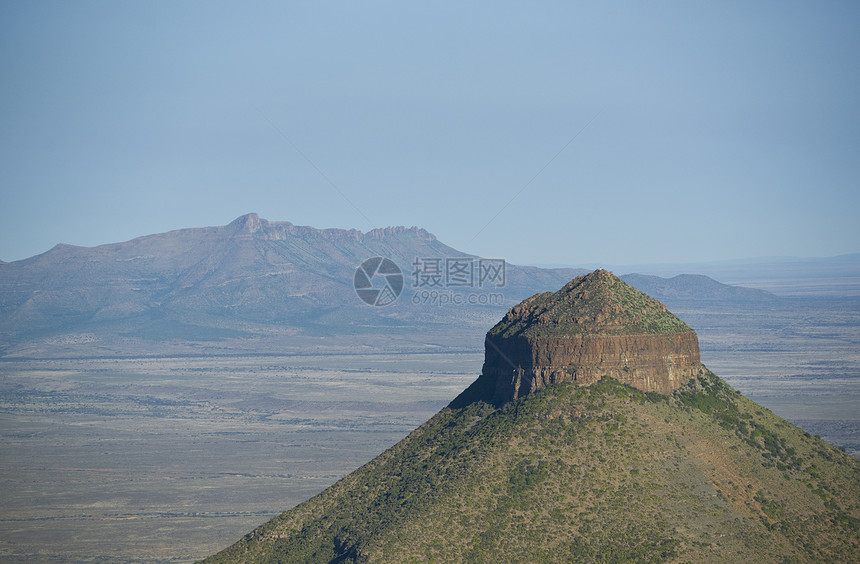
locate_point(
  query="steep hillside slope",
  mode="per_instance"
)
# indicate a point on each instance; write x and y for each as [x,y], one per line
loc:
[603,473]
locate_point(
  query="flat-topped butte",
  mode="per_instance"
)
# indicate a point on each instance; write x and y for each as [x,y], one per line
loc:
[596,325]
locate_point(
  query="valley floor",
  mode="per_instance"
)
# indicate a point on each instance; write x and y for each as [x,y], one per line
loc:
[170,459]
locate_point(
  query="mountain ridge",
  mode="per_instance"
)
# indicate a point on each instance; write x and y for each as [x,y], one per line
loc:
[250,270]
[251,278]
[695,287]
[252,223]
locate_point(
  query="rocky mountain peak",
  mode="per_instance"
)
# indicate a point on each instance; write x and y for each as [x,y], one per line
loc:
[598,303]
[259,228]
[250,222]
[596,325]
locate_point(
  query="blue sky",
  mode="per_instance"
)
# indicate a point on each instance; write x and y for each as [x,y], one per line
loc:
[725,130]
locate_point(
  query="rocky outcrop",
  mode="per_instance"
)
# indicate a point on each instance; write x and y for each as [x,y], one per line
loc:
[252,226]
[568,336]
[651,363]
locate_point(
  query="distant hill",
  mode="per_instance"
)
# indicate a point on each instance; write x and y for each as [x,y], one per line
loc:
[695,287]
[256,278]
[217,282]
[784,276]
[578,470]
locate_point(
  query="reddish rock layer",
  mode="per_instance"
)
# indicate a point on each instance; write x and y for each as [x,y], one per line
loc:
[649,362]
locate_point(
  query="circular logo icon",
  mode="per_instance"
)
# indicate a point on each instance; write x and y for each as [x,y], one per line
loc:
[378,281]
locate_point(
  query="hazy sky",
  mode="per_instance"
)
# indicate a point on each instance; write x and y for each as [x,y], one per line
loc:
[726,130]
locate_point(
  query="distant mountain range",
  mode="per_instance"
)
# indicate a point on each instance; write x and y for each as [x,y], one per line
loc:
[694,287]
[837,276]
[245,278]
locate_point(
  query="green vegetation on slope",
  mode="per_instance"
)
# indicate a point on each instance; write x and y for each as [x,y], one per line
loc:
[597,303]
[589,474]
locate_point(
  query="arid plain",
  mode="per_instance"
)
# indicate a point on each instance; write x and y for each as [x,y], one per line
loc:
[168,459]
